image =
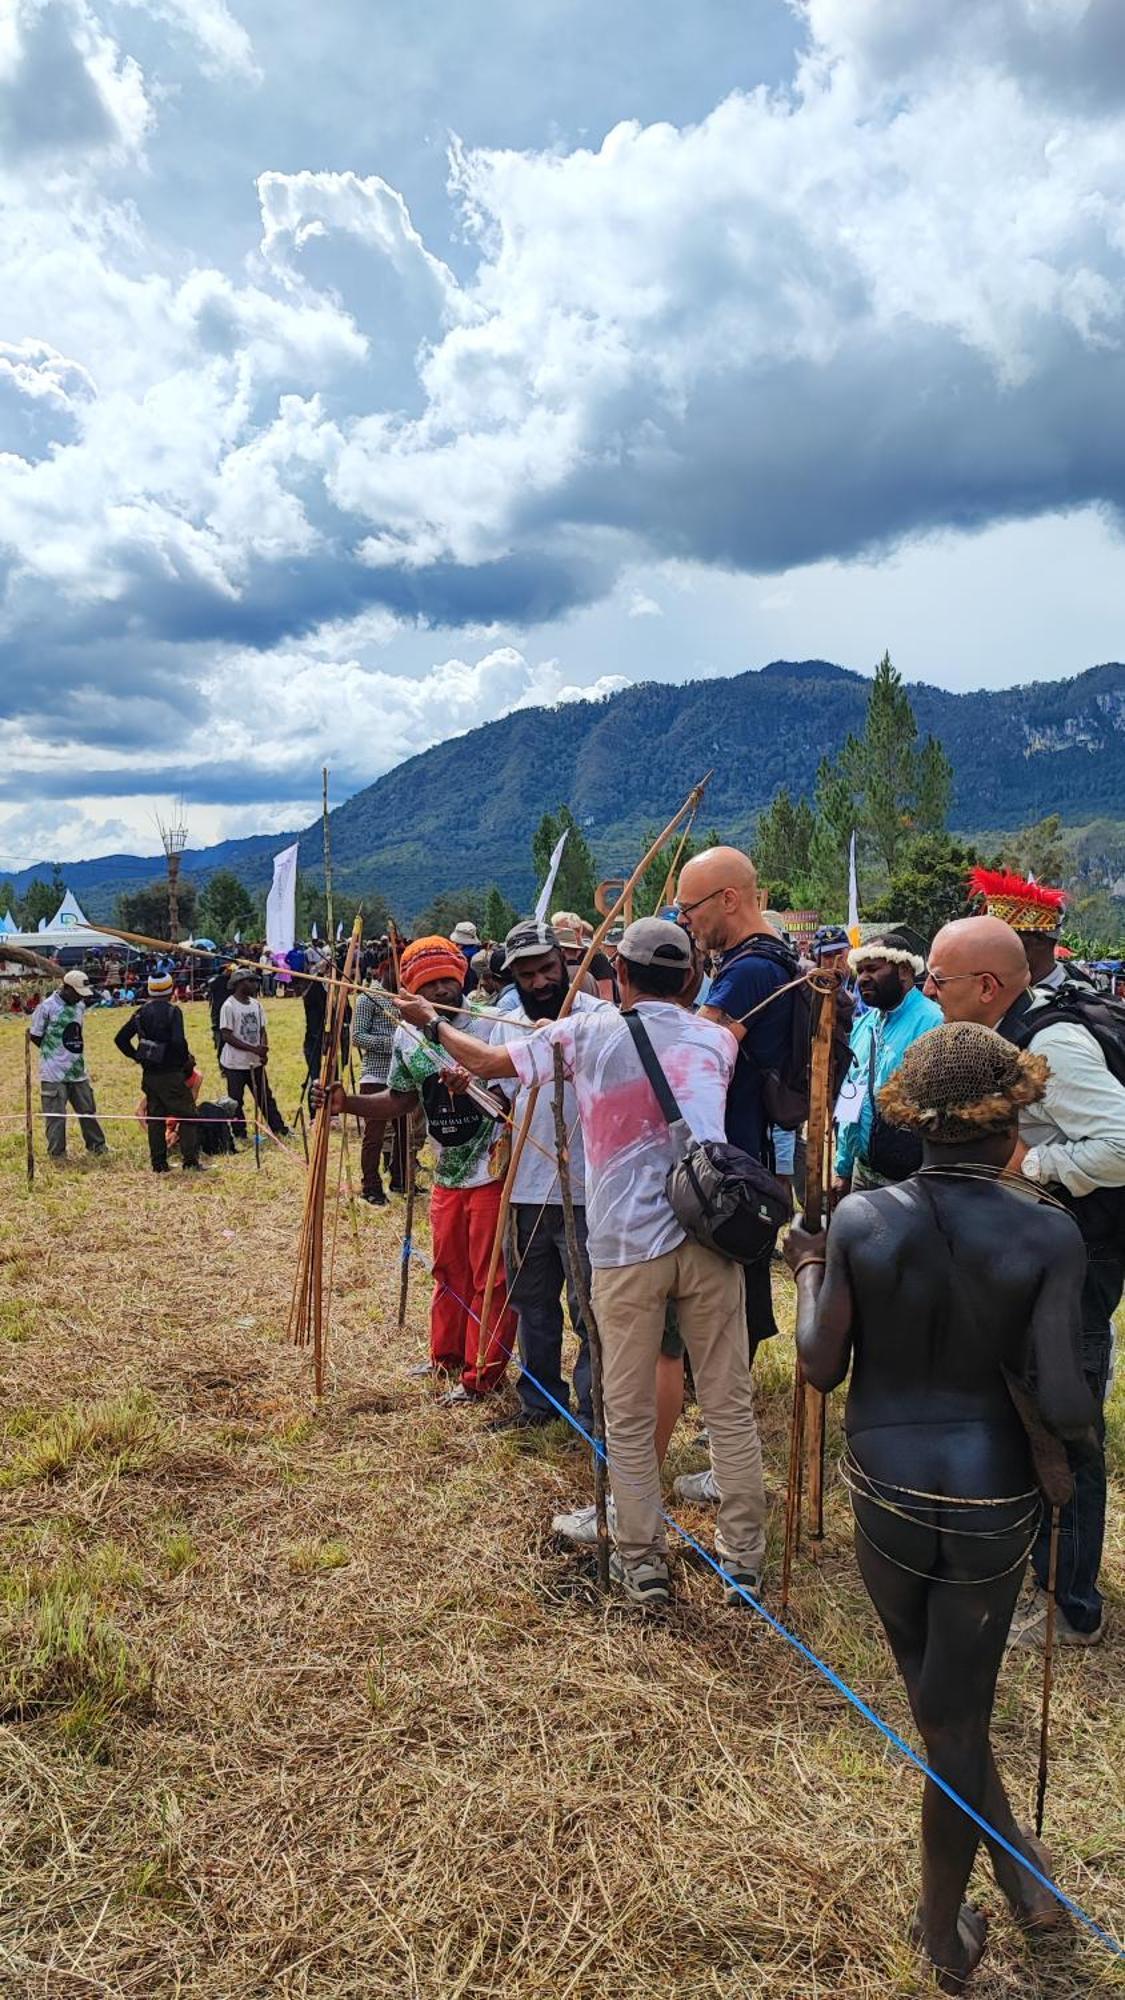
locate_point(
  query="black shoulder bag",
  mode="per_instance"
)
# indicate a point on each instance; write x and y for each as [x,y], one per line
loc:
[721,1196]
[891,1153]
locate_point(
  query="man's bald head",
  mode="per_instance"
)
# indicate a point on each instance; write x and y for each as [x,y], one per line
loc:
[978,968]
[719,898]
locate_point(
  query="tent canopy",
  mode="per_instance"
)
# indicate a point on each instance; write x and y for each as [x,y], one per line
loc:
[68,928]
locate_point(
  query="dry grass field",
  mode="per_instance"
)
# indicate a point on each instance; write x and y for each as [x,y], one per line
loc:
[305,1701]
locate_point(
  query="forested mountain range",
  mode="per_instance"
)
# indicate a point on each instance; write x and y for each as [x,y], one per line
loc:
[464,812]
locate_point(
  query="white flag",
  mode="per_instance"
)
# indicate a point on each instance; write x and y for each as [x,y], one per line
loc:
[281,903]
[853,896]
[339,930]
[548,889]
[315,934]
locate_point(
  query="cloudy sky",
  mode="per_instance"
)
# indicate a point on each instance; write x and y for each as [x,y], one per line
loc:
[369,369]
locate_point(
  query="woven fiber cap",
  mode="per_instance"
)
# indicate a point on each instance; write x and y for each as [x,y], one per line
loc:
[961,1082]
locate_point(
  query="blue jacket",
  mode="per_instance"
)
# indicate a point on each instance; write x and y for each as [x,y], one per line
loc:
[893,1034]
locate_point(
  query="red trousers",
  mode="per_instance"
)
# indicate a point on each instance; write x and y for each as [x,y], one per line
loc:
[463,1226]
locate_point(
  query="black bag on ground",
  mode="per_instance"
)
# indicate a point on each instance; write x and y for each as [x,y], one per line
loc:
[721,1196]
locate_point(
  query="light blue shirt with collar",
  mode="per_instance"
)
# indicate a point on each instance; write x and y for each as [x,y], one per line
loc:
[893,1034]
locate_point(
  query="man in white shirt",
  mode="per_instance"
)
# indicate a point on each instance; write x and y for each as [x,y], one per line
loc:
[641,1256]
[243,1045]
[1074,1141]
[533,959]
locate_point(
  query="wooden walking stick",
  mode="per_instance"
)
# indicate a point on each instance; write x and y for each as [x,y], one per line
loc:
[578,1276]
[28,1114]
[623,902]
[1048,1673]
[806,1423]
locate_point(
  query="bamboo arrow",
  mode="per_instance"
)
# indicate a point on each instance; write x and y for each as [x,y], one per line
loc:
[691,805]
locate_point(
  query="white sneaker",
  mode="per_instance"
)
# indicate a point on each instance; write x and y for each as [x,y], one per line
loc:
[581,1527]
[697,1486]
[644,1582]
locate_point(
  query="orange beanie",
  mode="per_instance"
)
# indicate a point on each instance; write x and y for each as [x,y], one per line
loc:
[431,958]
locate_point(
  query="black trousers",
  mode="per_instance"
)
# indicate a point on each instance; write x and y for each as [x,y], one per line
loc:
[167,1096]
[256,1080]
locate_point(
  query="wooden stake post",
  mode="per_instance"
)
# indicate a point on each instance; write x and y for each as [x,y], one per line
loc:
[308,1321]
[29,1115]
[807,1420]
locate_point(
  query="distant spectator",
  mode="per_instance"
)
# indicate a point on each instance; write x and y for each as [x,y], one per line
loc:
[57,1032]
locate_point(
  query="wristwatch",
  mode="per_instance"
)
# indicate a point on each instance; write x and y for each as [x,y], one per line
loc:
[432,1031]
[1031,1167]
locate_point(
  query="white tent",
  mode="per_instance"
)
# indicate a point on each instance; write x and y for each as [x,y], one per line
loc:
[7,924]
[68,929]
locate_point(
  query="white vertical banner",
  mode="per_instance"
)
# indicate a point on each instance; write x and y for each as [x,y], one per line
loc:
[853,896]
[548,889]
[281,903]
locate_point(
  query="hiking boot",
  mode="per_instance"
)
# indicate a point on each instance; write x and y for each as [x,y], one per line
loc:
[521,1420]
[581,1527]
[193,1167]
[1031,1630]
[376,1199]
[162,1170]
[737,1579]
[644,1582]
[697,1487]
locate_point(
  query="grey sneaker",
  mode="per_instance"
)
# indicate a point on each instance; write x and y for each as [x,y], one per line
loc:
[581,1527]
[736,1581]
[457,1397]
[1031,1629]
[697,1486]
[644,1582]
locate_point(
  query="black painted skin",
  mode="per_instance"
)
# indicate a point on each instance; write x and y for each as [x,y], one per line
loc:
[930,1289]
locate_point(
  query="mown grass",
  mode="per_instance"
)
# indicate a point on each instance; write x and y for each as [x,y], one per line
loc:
[306,1704]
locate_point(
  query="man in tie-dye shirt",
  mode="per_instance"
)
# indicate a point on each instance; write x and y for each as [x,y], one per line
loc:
[57,1032]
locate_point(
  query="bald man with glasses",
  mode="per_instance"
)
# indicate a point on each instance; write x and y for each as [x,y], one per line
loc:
[1073,1142]
[721,904]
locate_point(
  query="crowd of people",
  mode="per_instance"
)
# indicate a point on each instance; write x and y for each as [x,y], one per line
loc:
[967,1283]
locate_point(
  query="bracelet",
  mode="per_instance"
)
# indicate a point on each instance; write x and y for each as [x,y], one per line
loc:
[805,1262]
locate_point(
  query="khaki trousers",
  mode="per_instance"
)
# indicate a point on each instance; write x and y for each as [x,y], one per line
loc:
[629,1305]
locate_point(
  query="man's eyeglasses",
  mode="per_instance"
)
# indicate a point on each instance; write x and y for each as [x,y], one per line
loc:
[940,979]
[685,909]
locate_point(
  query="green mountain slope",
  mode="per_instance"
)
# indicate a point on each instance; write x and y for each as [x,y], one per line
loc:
[464,811]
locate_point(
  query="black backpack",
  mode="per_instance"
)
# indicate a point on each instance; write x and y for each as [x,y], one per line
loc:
[1101,1215]
[785,1090]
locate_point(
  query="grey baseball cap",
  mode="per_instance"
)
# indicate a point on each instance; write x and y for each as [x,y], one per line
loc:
[653,941]
[528,939]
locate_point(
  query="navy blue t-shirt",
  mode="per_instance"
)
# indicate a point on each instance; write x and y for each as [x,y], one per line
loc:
[744,979]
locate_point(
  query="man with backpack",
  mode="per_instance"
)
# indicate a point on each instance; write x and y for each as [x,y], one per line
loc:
[155,1038]
[1073,1144]
[721,905]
